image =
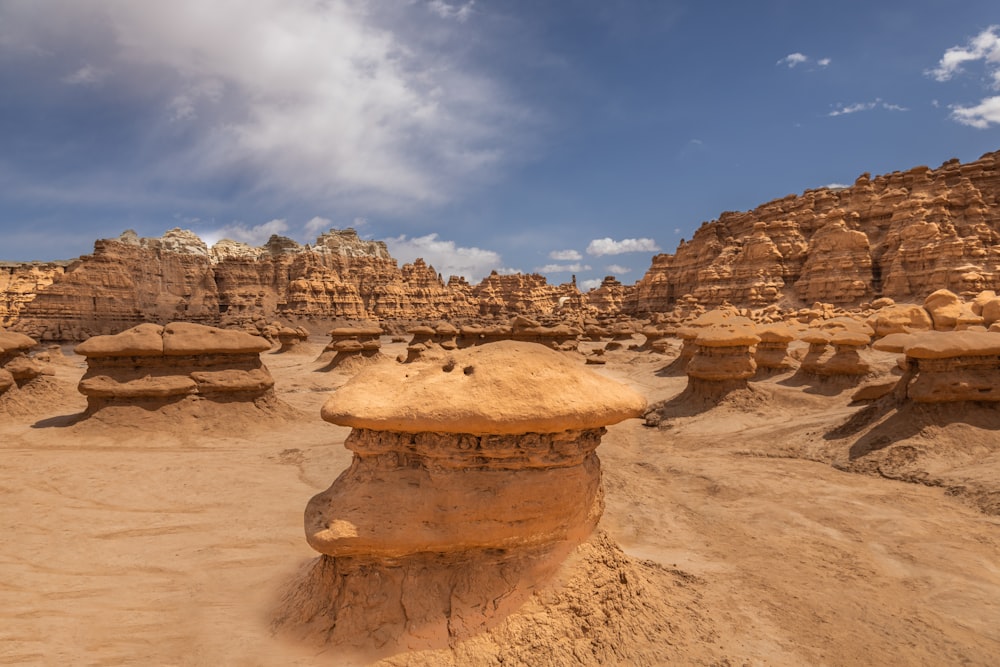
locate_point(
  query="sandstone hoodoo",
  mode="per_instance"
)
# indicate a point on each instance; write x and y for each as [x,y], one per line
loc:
[771,353]
[472,479]
[17,370]
[722,360]
[153,366]
[291,338]
[954,366]
[351,344]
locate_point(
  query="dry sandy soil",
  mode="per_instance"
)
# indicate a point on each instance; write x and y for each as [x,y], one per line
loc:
[779,516]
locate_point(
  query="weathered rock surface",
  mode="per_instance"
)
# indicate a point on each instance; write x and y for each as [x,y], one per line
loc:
[902,235]
[150,364]
[471,482]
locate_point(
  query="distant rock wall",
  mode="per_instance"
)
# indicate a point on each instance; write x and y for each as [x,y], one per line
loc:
[902,235]
[131,280]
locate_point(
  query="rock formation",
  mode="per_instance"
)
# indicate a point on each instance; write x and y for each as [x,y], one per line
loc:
[351,344]
[722,360]
[154,366]
[18,371]
[902,235]
[771,353]
[471,481]
[952,367]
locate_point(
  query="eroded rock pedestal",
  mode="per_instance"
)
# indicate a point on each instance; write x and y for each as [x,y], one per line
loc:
[473,478]
[154,366]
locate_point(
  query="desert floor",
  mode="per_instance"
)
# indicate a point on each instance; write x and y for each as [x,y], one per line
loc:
[144,540]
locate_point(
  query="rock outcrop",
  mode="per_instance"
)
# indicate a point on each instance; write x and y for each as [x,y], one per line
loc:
[471,481]
[153,366]
[902,235]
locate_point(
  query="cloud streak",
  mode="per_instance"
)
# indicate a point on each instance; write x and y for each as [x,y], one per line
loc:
[847,109]
[608,246]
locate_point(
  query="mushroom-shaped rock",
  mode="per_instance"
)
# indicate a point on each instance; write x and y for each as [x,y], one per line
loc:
[351,344]
[153,364]
[723,352]
[944,307]
[954,366]
[481,463]
[771,353]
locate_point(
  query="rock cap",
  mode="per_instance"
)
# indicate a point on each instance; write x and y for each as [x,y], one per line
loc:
[507,387]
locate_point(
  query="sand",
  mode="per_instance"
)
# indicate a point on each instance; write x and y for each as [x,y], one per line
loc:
[783,540]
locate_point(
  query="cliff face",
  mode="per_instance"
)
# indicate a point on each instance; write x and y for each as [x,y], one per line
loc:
[902,235]
[131,280]
[19,283]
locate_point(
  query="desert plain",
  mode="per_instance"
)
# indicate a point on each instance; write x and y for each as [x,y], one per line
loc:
[788,526]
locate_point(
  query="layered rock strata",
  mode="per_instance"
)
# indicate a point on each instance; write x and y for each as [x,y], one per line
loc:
[472,479]
[17,369]
[154,365]
[954,366]
[901,235]
[351,343]
[723,360]
[771,353]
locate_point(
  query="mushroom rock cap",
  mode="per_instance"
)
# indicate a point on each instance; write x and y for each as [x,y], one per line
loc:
[776,333]
[181,338]
[10,341]
[356,331]
[816,336]
[505,387]
[144,340]
[737,334]
[850,338]
[421,330]
[445,329]
[892,343]
[948,345]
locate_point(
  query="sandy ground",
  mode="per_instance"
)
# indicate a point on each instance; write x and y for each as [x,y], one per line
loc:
[167,543]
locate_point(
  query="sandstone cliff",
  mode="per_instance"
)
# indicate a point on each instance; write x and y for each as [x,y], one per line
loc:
[132,280]
[902,235]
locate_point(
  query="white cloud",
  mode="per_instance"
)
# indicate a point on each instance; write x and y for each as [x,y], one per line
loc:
[446,10]
[980,116]
[845,109]
[447,258]
[586,285]
[330,99]
[608,246]
[238,231]
[824,62]
[985,46]
[835,186]
[793,59]
[565,255]
[317,225]
[85,76]
[617,269]
[563,268]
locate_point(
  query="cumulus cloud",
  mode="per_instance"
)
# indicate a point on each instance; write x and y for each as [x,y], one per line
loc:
[608,246]
[317,225]
[617,269]
[563,268]
[238,231]
[565,255]
[845,109]
[985,46]
[333,100]
[586,285]
[446,257]
[981,116]
[795,59]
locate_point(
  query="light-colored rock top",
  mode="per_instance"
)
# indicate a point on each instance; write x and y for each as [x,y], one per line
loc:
[175,339]
[506,387]
[776,333]
[13,342]
[951,344]
[733,332]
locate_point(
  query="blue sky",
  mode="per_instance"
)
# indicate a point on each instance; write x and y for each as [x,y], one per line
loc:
[564,137]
